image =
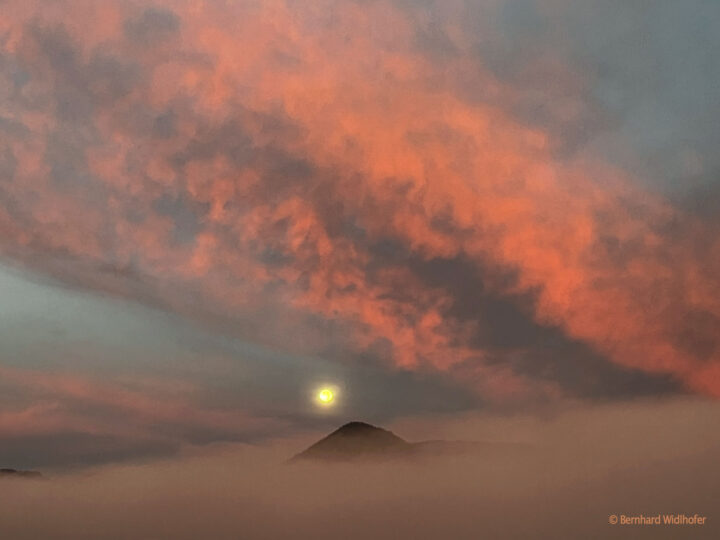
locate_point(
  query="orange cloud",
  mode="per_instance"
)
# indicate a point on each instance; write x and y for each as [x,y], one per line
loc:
[288,141]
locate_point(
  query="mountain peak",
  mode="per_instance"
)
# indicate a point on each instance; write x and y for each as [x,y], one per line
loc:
[356,440]
[357,427]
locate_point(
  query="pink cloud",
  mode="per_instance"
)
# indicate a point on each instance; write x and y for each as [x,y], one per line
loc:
[288,122]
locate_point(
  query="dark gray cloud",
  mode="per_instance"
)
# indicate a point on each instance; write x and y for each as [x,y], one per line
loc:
[152,26]
[70,450]
[505,328]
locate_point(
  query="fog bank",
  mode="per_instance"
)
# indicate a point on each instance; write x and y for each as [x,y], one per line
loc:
[584,465]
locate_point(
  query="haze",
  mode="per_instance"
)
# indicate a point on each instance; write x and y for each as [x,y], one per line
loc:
[580,468]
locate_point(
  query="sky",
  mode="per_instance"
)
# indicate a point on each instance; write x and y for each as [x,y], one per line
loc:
[210,209]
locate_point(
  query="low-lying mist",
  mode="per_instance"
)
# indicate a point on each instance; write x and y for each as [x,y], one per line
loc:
[582,466]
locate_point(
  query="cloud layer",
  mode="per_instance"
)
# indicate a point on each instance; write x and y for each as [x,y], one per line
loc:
[582,467]
[354,180]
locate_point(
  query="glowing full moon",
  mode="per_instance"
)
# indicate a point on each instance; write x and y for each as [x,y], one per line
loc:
[326,396]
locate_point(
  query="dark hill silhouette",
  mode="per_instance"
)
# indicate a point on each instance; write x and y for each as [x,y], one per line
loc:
[358,441]
[14,473]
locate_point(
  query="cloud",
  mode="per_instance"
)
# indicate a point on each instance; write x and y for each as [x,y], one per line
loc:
[583,466]
[248,168]
[152,26]
[103,421]
[222,388]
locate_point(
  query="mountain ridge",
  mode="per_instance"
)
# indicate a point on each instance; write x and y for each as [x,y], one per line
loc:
[360,441]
